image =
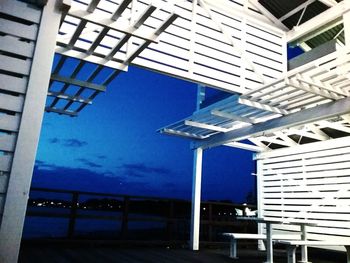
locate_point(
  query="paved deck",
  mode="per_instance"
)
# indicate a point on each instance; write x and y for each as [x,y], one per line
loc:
[88,254]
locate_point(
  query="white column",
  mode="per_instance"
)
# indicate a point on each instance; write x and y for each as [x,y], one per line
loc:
[28,136]
[196,198]
[259,177]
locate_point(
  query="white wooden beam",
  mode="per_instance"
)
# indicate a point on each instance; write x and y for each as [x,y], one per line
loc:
[28,136]
[244,146]
[335,126]
[205,126]
[327,19]
[267,13]
[258,105]
[286,138]
[181,133]
[304,85]
[308,134]
[231,116]
[196,198]
[276,140]
[296,10]
[346,22]
[77,82]
[236,45]
[329,3]
[317,113]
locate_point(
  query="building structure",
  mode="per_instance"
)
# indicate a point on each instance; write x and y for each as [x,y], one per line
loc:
[236,46]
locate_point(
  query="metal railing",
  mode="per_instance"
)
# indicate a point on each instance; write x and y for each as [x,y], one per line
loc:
[172,214]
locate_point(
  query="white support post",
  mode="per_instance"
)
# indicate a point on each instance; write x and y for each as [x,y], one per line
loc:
[346,22]
[24,156]
[196,198]
[197,183]
[261,245]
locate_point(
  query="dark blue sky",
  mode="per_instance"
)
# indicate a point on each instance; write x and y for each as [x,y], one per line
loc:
[113,146]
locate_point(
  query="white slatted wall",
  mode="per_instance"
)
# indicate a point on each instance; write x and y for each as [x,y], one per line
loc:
[18,33]
[308,182]
[208,56]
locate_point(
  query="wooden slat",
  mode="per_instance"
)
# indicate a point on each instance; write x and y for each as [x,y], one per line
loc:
[21,10]
[15,65]
[5,163]
[9,122]
[2,198]
[14,84]
[15,46]
[3,183]
[7,142]
[18,29]
[11,103]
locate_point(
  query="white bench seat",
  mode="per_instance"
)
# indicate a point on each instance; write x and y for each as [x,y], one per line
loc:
[293,244]
[247,236]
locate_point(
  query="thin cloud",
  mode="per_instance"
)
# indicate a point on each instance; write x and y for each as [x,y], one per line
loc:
[89,163]
[142,170]
[72,142]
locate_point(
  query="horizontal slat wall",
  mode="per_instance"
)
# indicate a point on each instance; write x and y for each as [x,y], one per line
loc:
[309,182]
[206,56]
[18,32]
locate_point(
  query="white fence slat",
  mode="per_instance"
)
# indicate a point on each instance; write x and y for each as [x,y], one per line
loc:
[14,45]
[9,122]
[5,163]
[18,29]
[11,103]
[15,65]
[3,182]
[14,84]
[7,142]
[20,9]
[2,196]
[316,147]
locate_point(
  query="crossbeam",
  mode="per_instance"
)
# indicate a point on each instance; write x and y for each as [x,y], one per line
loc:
[79,83]
[317,113]
[244,146]
[328,19]
[205,126]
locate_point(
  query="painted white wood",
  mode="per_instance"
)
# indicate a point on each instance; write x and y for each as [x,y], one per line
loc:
[309,182]
[15,65]
[15,84]
[7,142]
[13,45]
[3,185]
[331,15]
[28,135]
[20,8]
[11,103]
[17,29]
[9,122]
[2,197]
[162,57]
[196,198]
[5,163]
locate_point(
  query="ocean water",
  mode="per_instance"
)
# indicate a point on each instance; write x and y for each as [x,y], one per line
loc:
[56,227]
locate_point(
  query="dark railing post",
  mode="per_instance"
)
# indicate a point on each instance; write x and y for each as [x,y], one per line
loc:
[125,217]
[73,214]
[210,219]
[170,220]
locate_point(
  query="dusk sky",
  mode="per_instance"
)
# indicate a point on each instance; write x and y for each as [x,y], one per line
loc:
[113,146]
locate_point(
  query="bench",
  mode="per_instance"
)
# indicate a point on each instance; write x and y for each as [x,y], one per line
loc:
[235,236]
[293,244]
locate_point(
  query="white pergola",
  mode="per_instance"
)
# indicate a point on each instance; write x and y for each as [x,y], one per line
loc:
[239,47]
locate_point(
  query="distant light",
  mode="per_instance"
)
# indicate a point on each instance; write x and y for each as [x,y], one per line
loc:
[204,208]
